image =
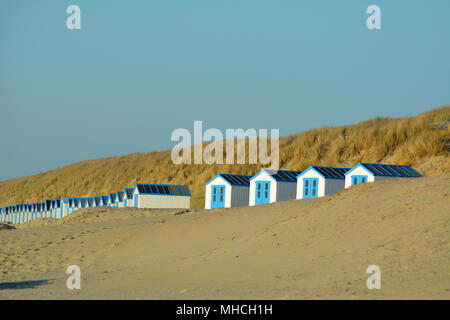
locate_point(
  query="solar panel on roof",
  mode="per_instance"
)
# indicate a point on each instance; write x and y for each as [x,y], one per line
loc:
[129,192]
[388,170]
[284,175]
[405,170]
[235,179]
[383,169]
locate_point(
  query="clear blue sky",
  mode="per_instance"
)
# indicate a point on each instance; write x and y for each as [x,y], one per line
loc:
[137,70]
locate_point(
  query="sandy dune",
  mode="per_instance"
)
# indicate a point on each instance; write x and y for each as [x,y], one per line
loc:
[308,249]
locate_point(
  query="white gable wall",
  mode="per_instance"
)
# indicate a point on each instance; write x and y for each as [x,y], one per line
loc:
[218,181]
[263,176]
[360,171]
[310,174]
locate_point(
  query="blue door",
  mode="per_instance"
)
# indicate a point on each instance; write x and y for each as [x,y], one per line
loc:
[310,186]
[358,179]
[262,192]
[217,197]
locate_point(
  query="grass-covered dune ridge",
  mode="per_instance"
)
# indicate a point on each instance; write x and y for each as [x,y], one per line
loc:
[421,141]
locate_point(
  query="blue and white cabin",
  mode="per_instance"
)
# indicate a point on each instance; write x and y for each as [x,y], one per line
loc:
[90,202]
[370,172]
[105,201]
[2,214]
[320,182]
[227,190]
[47,209]
[58,209]
[70,206]
[113,199]
[97,201]
[9,212]
[12,214]
[64,205]
[76,204]
[128,198]
[160,196]
[18,213]
[34,211]
[270,185]
[83,203]
[120,199]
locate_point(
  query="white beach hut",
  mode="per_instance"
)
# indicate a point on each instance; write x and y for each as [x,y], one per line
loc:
[128,197]
[113,199]
[227,190]
[270,185]
[370,172]
[158,196]
[120,199]
[105,201]
[320,181]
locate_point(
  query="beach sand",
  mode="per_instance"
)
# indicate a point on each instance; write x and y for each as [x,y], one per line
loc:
[300,249]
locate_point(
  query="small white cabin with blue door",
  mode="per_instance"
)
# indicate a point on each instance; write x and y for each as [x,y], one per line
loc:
[48,208]
[83,203]
[128,198]
[320,182]
[64,207]
[270,185]
[98,201]
[90,202]
[105,201]
[77,204]
[34,211]
[160,196]
[113,199]
[227,190]
[71,206]
[120,199]
[370,172]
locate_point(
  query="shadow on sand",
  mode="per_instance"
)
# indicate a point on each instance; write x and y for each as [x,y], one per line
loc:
[23,284]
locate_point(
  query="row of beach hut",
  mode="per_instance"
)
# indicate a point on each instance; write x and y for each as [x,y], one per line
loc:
[267,186]
[155,196]
[223,191]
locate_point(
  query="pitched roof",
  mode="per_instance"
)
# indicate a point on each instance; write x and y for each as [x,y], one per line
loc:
[391,170]
[236,179]
[283,175]
[163,189]
[331,172]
